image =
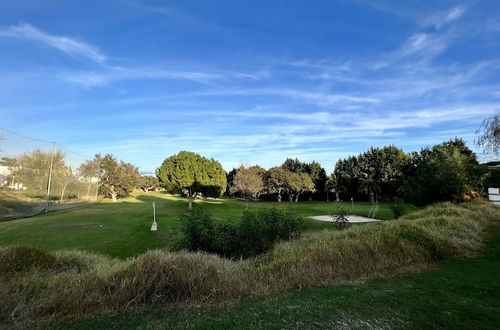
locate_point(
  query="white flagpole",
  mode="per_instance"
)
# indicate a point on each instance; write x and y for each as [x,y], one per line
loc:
[154,226]
[154,213]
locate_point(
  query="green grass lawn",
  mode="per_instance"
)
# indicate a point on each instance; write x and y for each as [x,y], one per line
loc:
[458,294]
[122,229]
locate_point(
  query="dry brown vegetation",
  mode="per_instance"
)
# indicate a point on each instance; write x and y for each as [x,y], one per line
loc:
[38,287]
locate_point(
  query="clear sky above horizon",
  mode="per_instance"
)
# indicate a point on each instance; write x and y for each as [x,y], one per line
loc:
[251,81]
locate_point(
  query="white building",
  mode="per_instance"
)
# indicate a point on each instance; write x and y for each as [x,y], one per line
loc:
[5,183]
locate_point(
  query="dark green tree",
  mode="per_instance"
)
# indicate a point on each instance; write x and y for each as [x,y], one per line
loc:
[229,180]
[318,176]
[294,165]
[192,174]
[445,172]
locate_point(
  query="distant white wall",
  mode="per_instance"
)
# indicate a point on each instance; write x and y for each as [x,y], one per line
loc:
[4,183]
[494,195]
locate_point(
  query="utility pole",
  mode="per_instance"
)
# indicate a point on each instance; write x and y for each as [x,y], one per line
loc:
[50,176]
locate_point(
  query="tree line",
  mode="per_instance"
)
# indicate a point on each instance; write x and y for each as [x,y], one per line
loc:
[446,171]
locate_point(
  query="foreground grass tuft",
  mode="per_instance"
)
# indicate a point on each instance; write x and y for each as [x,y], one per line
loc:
[77,284]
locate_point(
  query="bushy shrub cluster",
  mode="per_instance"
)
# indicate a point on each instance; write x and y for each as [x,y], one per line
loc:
[254,234]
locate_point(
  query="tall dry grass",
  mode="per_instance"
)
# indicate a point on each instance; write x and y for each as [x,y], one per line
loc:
[37,287]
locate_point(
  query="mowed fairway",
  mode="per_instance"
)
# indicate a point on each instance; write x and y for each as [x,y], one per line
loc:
[122,229]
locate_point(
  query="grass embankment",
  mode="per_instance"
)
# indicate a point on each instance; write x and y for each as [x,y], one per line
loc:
[122,229]
[38,286]
[18,204]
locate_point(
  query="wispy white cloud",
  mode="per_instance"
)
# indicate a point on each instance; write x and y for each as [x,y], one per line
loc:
[442,18]
[109,74]
[67,45]
[112,74]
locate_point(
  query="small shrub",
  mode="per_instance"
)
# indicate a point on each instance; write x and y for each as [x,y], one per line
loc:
[398,209]
[159,276]
[198,228]
[341,218]
[260,230]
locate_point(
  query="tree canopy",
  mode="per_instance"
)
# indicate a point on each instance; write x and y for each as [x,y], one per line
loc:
[275,180]
[192,174]
[248,182]
[315,171]
[378,170]
[148,183]
[446,171]
[117,178]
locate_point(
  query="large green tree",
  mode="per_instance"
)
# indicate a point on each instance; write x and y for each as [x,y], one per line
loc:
[332,186]
[314,170]
[275,180]
[318,176]
[378,170]
[117,178]
[294,165]
[192,174]
[298,184]
[445,172]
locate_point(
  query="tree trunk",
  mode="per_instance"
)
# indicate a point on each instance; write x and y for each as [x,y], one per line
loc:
[88,191]
[246,203]
[113,196]
[327,196]
[62,193]
[297,197]
[337,197]
[371,198]
[279,196]
[190,207]
[290,197]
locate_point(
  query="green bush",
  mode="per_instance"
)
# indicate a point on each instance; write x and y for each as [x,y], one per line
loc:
[256,233]
[198,228]
[398,209]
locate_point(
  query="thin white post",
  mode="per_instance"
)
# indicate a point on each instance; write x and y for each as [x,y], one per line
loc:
[154,213]
[50,176]
[154,226]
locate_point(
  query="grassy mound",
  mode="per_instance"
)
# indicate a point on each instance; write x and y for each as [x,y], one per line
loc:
[76,284]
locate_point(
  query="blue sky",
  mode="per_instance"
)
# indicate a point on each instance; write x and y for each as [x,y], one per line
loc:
[247,81]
